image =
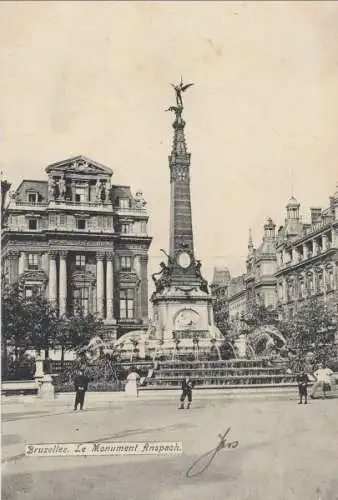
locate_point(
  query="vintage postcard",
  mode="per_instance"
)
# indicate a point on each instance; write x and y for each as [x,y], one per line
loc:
[169,250]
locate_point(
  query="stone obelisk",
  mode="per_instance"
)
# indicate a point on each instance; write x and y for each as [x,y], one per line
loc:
[181,302]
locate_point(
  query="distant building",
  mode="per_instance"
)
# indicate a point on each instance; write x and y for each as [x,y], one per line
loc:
[307,257]
[219,289]
[234,296]
[81,240]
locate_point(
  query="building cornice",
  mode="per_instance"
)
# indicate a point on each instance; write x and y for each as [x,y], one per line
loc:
[306,263]
[309,236]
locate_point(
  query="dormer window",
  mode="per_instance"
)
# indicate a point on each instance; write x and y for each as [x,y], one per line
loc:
[124,203]
[32,197]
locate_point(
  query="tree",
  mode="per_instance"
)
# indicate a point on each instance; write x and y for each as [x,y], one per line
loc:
[311,330]
[222,321]
[27,323]
[76,331]
[259,315]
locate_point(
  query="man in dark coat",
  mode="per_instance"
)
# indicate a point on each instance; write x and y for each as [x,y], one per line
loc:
[303,382]
[81,386]
[186,393]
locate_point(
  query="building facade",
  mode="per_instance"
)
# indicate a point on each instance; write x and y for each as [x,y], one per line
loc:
[299,262]
[82,241]
[235,296]
[307,257]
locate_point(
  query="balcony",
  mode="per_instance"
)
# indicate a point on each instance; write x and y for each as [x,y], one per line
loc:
[27,205]
[132,212]
[81,205]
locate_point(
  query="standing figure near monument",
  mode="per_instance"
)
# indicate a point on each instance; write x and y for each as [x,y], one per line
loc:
[81,386]
[186,393]
[323,380]
[303,382]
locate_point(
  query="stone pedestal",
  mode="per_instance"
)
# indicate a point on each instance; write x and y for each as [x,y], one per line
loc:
[38,375]
[47,390]
[131,388]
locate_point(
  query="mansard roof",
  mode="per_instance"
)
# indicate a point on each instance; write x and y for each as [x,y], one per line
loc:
[27,185]
[79,164]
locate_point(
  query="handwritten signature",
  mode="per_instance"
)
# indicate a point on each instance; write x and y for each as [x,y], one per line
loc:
[197,468]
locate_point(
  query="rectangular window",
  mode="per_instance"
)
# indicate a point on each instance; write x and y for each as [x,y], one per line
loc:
[32,224]
[31,290]
[124,203]
[80,261]
[125,263]
[32,197]
[127,303]
[125,228]
[62,220]
[81,224]
[81,301]
[33,261]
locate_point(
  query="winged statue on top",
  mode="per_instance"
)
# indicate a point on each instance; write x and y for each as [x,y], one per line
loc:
[179,88]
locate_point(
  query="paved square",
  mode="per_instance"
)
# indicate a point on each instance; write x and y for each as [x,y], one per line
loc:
[286,451]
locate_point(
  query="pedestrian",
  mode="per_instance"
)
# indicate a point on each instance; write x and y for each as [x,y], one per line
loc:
[186,393]
[81,386]
[302,381]
[323,380]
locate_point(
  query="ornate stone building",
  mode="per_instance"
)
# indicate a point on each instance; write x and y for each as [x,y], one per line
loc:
[258,284]
[307,257]
[285,270]
[83,241]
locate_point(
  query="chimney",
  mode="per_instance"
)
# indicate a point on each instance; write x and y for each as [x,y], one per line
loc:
[316,214]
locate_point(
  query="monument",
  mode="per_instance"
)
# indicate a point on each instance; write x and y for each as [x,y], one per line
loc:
[182,305]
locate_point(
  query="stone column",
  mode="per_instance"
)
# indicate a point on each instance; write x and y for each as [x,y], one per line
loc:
[286,257]
[144,286]
[305,251]
[63,283]
[73,189]
[22,263]
[315,247]
[325,242]
[294,255]
[52,284]
[285,292]
[110,286]
[99,284]
[13,257]
[324,282]
[138,293]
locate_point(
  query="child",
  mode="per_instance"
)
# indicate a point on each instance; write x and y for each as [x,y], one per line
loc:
[186,392]
[302,381]
[81,386]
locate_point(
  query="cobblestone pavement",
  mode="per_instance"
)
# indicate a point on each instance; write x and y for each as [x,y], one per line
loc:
[286,451]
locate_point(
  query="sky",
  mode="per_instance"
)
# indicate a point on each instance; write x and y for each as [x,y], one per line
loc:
[93,78]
